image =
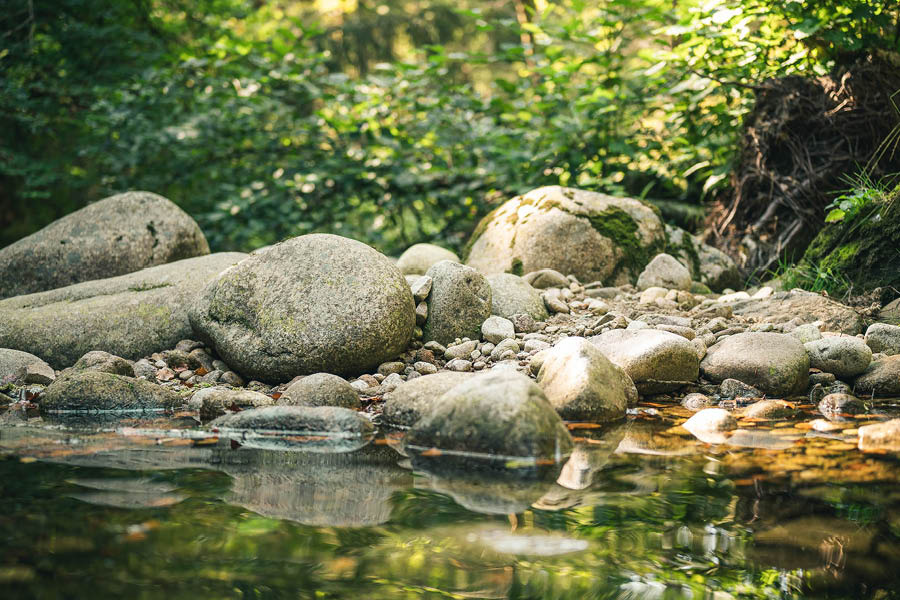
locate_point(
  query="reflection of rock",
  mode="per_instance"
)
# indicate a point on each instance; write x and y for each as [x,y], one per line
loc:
[811,541]
[646,439]
[589,457]
[340,490]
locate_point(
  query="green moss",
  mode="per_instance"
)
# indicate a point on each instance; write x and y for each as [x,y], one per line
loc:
[689,251]
[621,228]
[517,268]
[478,232]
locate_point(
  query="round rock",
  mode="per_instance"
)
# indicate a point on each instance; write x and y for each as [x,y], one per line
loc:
[512,295]
[776,364]
[882,378]
[410,400]
[666,272]
[657,361]
[321,389]
[216,401]
[496,329]
[460,301]
[842,356]
[418,258]
[314,303]
[884,338]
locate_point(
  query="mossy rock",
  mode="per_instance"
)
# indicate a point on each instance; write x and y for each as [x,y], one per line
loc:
[708,265]
[864,250]
[576,232]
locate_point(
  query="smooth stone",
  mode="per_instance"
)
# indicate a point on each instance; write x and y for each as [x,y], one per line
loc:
[394,366]
[216,401]
[406,404]
[582,384]
[495,414]
[880,436]
[664,271]
[418,258]
[104,362]
[460,365]
[310,304]
[320,389]
[884,338]
[711,420]
[696,401]
[89,391]
[460,350]
[545,278]
[768,409]
[496,329]
[732,388]
[524,323]
[511,295]
[842,356]
[131,316]
[460,301]
[503,347]
[35,373]
[806,333]
[535,346]
[657,361]
[554,302]
[776,364]
[117,235]
[12,361]
[881,378]
[319,419]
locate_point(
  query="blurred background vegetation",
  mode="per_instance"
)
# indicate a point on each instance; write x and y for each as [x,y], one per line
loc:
[391,121]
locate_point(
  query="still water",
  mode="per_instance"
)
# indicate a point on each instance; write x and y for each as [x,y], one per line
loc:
[641,510]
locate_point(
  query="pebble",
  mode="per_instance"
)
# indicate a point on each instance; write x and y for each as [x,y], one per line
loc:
[459,364]
[460,350]
[435,347]
[535,345]
[496,329]
[421,287]
[425,368]
[523,323]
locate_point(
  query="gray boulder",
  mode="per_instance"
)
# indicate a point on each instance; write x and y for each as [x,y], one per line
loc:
[842,356]
[776,364]
[410,400]
[321,389]
[90,391]
[881,378]
[418,258]
[15,363]
[314,303]
[216,401]
[592,236]
[120,234]
[666,272]
[582,384]
[657,361]
[130,316]
[884,338]
[459,302]
[512,295]
[495,414]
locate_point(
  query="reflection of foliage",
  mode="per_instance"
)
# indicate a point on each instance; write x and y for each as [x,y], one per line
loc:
[240,111]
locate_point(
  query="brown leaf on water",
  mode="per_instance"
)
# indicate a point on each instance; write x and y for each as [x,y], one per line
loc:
[432,452]
[206,441]
[201,371]
[584,425]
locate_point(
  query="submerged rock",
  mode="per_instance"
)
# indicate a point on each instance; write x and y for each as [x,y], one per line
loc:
[460,301]
[314,303]
[309,419]
[130,316]
[404,406]
[216,401]
[89,391]
[118,235]
[582,384]
[418,258]
[657,361]
[776,364]
[500,414]
[615,238]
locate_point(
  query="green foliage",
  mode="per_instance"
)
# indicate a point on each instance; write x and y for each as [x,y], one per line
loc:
[812,277]
[391,125]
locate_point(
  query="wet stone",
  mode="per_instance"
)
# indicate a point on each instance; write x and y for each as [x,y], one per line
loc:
[320,389]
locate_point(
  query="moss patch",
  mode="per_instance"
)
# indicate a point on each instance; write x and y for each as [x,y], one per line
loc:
[517,268]
[621,228]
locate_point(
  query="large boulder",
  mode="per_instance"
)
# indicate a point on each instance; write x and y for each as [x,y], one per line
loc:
[418,258]
[120,234]
[657,361]
[707,264]
[411,399]
[90,391]
[592,236]
[501,414]
[314,303]
[459,302]
[130,315]
[582,384]
[512,295]
[788,306]
[774,363]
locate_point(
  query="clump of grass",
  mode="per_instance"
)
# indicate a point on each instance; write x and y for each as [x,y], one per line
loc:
[812,278]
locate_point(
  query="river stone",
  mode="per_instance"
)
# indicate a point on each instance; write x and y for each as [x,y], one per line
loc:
[709,267]
[460,301]
[782,307]
[592,236]
[883,338]
[498,413]
[496,329]
[321,389]
[313,419]
[776,364]
[657,361]
[546,278]
[96,391]
[837,405]
[216,401]
[880,436]
[418,258]
[120,234]
[104,362]
[314,303]
[881,378]
[711,420]
[768,409]
[13,361]
[130,315]
[582,384]
[842,356]
[666,272]
[404,406]
[512,295]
